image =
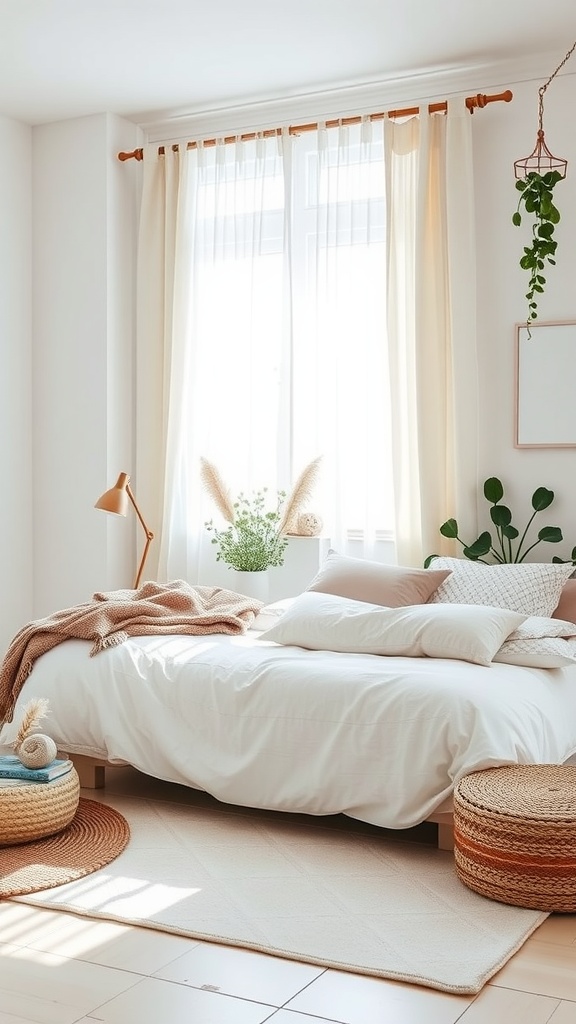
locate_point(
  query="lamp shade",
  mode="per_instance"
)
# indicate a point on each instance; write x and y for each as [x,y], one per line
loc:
[116,499]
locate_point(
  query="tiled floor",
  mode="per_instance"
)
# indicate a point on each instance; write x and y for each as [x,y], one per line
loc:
[58,968]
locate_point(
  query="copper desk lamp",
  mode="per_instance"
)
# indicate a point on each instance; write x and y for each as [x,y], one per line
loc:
[116,501]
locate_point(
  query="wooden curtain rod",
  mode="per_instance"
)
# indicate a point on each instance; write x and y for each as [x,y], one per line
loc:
[480,100]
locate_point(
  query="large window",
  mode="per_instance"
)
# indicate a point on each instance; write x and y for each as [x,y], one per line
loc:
[306,295]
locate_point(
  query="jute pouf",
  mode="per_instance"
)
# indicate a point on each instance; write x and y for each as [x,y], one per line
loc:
[515,835]
[32,811]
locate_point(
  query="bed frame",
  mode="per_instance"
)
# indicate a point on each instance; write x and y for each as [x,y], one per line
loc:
[92,775]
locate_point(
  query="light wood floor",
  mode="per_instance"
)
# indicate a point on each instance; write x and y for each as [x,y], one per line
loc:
[58,968]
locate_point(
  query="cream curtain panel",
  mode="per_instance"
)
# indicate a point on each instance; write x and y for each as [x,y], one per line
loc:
[432,327]
[155,314]
[302,296]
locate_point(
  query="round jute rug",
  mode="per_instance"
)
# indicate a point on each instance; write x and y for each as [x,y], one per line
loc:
[95,836]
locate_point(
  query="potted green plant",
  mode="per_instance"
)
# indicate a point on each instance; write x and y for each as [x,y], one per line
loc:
[255,538]
[252,542]
[508,545]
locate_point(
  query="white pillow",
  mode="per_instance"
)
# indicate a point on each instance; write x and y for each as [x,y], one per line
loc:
[528,588]
[326,622]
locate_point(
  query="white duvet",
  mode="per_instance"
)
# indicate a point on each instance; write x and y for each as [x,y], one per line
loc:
[382,739]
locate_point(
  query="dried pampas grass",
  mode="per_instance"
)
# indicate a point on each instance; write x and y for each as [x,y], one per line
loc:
[293,505]
[215,487]
[33,713]
[299,494]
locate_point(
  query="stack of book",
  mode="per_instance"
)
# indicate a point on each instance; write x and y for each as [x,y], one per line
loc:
[14,773]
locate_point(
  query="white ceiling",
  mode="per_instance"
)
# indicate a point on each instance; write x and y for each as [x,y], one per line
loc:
[146,59]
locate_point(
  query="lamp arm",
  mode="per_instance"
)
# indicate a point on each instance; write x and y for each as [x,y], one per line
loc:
[149,539]
[147,531]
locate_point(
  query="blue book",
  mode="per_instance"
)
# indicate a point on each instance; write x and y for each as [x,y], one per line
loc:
[11,767]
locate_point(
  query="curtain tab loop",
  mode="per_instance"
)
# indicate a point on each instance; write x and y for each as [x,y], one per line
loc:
[283,139]
[322,136]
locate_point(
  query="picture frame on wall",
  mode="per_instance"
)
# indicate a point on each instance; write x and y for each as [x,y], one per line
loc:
[545,378]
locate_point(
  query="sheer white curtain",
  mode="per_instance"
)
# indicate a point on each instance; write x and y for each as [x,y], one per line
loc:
[225,391]
[263,332]
[432,326]
[339,350]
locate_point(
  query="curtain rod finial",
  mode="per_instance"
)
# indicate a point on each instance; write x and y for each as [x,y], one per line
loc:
[136,154]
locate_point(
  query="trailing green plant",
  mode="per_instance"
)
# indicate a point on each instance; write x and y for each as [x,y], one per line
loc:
[508,545]
[537,198]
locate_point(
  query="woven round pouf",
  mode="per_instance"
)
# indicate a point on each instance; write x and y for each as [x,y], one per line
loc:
[515,835]
[32,811]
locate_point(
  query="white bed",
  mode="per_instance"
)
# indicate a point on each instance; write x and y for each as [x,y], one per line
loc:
[265,724]
[382,739]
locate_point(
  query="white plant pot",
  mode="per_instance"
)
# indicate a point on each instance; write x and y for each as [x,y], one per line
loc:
[251,584]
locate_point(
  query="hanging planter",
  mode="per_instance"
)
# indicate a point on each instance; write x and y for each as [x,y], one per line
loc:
[537,198]
[538,174]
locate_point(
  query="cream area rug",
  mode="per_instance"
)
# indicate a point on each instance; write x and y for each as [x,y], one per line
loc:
[356,902]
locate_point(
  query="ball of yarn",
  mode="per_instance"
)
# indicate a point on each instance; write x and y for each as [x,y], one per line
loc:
[308,524]
[37,750]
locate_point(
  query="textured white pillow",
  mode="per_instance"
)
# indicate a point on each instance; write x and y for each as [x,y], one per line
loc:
[326,622]
[532,588]
[536,627]
[541,652]
[540,643]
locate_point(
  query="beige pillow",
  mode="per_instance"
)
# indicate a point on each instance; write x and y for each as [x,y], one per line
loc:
[567,604]
[530,588]
[325,622]
[362,580]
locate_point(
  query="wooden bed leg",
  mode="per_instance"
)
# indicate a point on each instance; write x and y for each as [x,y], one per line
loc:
[443,817]
[91,772]
[445,836]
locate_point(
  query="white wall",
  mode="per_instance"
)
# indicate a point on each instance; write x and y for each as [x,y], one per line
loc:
[84,242]
[15,378]
[504,133]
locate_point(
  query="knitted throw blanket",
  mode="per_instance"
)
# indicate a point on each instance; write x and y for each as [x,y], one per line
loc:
[110,618]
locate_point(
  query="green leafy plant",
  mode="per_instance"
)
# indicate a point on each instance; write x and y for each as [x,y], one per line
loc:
[537,198]
[508,544]
[253,541]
